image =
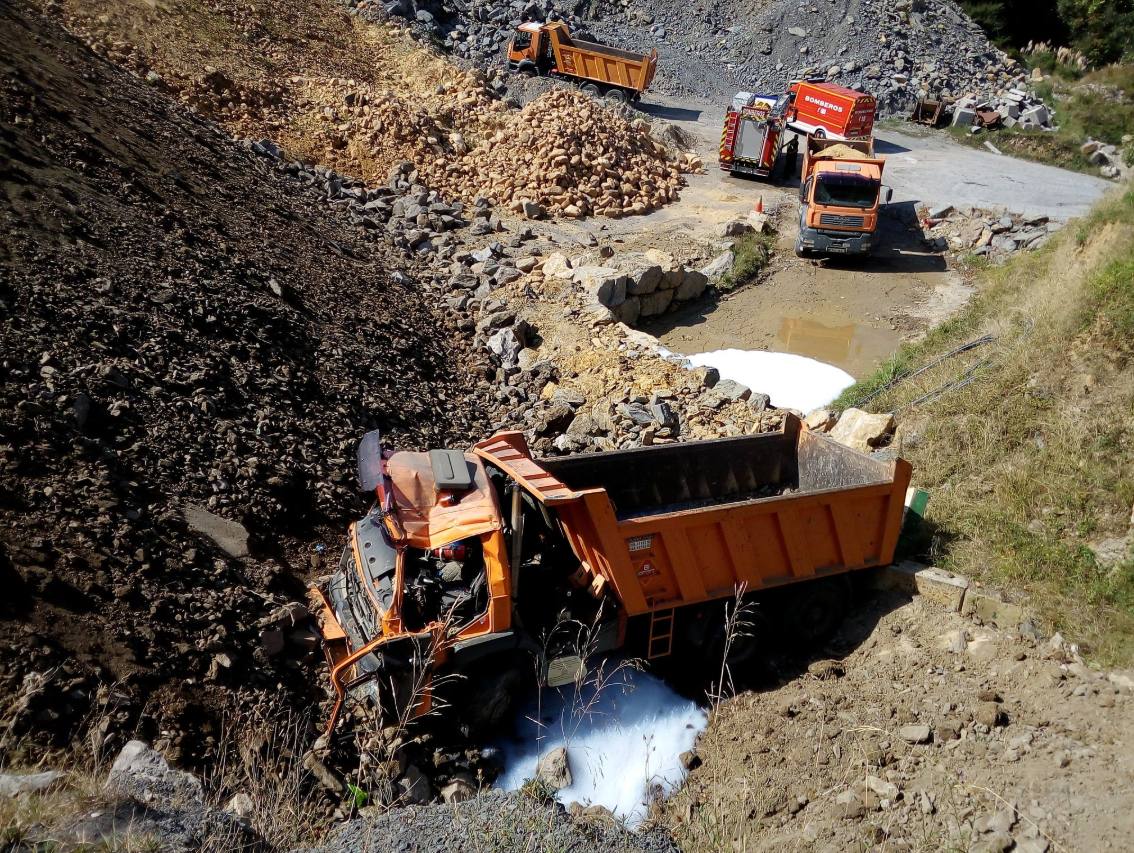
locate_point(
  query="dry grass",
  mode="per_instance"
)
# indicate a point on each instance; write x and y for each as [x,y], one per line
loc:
[1028,447]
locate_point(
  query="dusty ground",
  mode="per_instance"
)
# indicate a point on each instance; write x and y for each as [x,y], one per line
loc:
[1021,745]
[777,764]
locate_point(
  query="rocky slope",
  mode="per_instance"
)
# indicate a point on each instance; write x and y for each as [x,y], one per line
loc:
[898,51]
[192,343]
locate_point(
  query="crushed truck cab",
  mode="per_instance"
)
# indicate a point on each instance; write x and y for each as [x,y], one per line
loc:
[473,565]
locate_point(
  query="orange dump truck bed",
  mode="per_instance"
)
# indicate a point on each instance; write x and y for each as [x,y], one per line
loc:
[685,523]
[600,62]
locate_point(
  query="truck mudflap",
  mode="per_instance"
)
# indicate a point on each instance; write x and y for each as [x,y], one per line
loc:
[394,672]
[819,242]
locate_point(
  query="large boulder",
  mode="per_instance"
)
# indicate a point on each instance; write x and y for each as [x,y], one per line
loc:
[629,311]
[862,430]
[692,285]
[673,273]
[603,285]
[554,770]
[653,304]
[643,276]
[142,772]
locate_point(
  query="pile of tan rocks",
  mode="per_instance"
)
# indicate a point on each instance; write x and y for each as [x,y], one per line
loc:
[565,154]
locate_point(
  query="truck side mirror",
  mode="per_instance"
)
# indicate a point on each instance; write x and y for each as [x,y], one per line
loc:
[887,194]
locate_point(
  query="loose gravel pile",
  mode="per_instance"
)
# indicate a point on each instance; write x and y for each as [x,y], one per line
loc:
[564,153]
[897,51]
[493,821]
[572,157]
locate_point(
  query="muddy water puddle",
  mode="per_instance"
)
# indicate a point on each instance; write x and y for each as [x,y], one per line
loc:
[854,347]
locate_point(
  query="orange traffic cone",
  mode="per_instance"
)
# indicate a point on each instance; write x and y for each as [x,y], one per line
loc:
[760,204]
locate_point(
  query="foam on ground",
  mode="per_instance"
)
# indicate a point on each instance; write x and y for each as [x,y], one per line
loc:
[623,745]
[792,381]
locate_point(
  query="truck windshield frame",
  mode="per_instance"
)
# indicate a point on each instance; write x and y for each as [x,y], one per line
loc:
[846,190]
[521,41]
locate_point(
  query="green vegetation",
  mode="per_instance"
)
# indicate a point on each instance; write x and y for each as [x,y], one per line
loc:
[1027,448]
[1097,104]
[750,255]
[1102,29]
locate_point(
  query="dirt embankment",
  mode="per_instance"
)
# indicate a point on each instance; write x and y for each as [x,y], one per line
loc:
[922,731]
[180,325]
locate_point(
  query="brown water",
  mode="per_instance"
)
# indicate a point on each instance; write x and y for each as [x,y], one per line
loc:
[855,347]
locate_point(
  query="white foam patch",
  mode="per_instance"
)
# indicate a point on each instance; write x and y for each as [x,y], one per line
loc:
[792,381]
[623,744]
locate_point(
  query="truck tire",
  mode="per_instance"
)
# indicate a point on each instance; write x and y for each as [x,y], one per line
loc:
[528,69]
[801,252]
[814,609]
[490,690]
[616,96]
[591,90]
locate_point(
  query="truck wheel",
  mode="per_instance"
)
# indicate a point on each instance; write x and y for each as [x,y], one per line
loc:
[815,608]
[591,90]
[801,252]
[616,96]
[490,692]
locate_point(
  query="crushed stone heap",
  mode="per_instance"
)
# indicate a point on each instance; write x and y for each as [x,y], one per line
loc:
[569,155]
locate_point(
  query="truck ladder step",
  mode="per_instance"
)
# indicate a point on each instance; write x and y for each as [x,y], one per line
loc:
[661,634]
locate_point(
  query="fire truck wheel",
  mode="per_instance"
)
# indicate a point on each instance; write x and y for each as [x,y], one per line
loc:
[819,133]
[592,90]
[815,609]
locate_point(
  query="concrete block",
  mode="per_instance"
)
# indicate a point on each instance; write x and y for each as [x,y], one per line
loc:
[989,610]
[963,117]
[934,584]
[1037,114]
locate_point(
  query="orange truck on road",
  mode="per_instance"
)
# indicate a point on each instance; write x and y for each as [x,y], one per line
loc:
[601,71]
[478,564]
[841,197]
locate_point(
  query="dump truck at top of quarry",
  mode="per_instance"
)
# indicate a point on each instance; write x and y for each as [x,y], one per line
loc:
[600,70]
[492,565]
[841,196]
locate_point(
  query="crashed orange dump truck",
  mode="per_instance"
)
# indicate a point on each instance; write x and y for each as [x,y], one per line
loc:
[483,564]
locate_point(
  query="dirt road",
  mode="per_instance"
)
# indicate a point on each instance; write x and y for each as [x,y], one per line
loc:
[851,313]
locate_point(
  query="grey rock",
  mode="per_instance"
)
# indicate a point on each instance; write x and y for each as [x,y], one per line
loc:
[506,347]
[733,390]
[15,784]
[230,536]
[142,772]
[692,286]
[718,266]
[915,734]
